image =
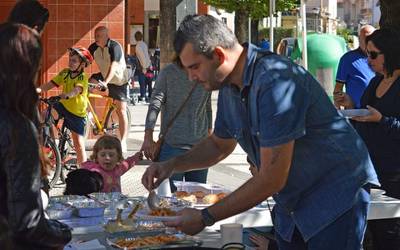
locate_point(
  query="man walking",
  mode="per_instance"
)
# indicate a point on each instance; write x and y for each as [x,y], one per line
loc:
[109,57]
[142,53]
[309,158]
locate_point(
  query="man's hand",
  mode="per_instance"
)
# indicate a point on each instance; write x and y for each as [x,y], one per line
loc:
[341,99]
[189,221]
[102,85]
[148,148]
[159,171]
[375,116]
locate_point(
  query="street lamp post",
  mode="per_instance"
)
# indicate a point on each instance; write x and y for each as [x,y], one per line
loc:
[304,33]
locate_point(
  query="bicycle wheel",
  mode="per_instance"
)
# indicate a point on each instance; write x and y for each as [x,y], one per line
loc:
[50,149]
[112,122]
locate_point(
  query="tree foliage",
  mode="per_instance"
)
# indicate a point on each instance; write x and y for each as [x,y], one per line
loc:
[256,8]
[390,14]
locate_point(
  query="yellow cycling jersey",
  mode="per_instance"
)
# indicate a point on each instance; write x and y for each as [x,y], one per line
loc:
[77,105]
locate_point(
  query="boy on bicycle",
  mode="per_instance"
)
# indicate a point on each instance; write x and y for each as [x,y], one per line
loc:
[73,103]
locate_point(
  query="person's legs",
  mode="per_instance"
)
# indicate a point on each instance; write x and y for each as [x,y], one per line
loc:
[347,232]
[79,144]
[149,87]
[197,175]
[76,125]
[168,152]
[123,122]
[142,85]
[386,233]
[121,98]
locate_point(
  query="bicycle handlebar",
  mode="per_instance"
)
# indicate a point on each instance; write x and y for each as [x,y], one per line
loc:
[51,100]
[97,86]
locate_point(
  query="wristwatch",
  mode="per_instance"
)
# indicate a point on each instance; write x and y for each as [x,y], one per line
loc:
[207,218]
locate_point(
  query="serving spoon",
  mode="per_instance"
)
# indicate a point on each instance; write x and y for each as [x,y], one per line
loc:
[153,200]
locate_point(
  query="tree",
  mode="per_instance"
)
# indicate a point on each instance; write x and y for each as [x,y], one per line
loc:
[255,9]
[390,14]
[167,30]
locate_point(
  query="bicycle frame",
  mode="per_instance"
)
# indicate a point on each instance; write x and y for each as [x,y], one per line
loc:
[100,124]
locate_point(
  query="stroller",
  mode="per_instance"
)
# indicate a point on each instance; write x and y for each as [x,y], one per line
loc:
[133,65]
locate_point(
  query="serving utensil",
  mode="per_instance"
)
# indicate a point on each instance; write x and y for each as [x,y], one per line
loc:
[153,200]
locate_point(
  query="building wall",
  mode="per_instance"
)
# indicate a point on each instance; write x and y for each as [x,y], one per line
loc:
[361,11]
[136,11]
[72,23]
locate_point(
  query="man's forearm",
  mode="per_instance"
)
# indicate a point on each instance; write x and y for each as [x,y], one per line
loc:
[111,72]
[148,134]
[338,87]
[204,154]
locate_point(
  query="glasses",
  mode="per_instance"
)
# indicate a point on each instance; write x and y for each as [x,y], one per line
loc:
[373,54]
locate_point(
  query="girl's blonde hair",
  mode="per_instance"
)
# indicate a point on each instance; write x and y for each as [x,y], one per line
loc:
[107,142]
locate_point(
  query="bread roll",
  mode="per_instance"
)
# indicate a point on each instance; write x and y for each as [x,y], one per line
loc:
[181,194]
[210,198]
[191,198]
[198,194]
[221,195]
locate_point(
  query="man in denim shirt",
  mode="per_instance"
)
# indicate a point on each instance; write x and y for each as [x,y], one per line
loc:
[309,158]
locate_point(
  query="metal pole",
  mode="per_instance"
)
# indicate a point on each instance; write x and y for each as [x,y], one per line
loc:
[304,33]
[271,26]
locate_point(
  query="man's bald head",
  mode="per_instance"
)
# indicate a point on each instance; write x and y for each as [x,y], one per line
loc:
[101,36]
[365,31]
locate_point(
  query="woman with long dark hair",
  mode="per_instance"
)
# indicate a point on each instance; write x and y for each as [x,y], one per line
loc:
[20,160]
[381,128]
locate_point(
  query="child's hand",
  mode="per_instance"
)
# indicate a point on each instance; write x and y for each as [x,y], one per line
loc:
[260,241]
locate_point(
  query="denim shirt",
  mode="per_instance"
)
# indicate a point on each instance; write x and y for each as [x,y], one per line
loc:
[330,161]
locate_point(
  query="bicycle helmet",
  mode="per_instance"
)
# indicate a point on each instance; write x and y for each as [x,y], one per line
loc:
[83,53]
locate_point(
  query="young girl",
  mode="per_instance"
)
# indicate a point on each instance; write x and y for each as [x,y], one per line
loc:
[74,97]
[107,160]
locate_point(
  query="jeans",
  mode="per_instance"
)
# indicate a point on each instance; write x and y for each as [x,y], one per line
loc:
[346,233]
[168,152]
[144,83]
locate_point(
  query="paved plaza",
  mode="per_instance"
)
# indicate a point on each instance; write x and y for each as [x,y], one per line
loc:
[231,172]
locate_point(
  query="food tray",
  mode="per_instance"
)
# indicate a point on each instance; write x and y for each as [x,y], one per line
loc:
[181,241]
[108,196]
[143,215]
[192,187]
[174,203]
[137,227]
[66,199]
[59,211]
[88,208]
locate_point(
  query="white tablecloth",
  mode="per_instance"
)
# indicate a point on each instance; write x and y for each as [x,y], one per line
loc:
[381,207]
